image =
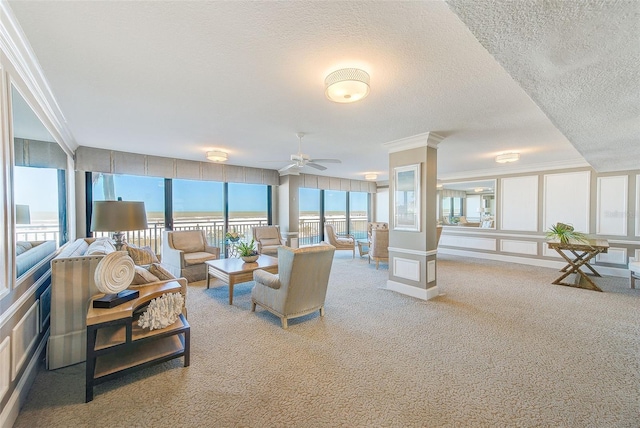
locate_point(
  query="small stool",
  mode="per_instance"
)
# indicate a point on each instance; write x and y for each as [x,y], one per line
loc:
[634,273]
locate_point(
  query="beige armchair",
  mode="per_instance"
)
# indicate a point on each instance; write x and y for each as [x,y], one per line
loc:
[342,242]
[268,239]
[378,234]
[185,251]
[299,288]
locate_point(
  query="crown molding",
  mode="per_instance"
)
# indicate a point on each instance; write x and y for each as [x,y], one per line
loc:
[16,47]
[428,139]
[508,169]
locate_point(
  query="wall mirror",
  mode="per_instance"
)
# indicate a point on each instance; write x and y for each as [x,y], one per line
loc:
[406,198]
[467,204]
[39,187]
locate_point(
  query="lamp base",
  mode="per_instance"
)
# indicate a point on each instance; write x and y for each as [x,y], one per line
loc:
[112,300]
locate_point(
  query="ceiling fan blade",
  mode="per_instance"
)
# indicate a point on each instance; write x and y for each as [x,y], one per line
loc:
[326,160]
[288,167]
[316,166]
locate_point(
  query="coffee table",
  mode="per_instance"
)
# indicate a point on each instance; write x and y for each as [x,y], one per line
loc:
[234,271]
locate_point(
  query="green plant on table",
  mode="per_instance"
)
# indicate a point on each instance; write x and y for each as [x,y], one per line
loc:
[565,233]
[247,249]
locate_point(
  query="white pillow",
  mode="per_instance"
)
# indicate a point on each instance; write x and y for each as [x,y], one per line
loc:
[100,247]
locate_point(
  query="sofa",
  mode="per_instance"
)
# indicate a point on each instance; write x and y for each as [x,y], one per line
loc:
[73,285]
[29,253]
[185,251]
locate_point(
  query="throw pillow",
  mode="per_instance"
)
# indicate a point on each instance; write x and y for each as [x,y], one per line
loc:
[142,255]
[143,276]
[100,247]
[22,246]
[158,270]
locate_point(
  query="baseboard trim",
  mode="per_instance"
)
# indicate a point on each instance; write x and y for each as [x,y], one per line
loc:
[12,409]
[553,264]
[408,290]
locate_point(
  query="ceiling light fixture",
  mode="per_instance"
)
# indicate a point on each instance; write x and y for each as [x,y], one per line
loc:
[217,156]
[347,85]
[370,176]
[508,157]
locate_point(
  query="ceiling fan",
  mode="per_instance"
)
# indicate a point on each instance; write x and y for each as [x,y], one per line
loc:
[300,160]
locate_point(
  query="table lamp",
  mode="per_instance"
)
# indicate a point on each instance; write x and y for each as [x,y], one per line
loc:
[22,214]
[118,216]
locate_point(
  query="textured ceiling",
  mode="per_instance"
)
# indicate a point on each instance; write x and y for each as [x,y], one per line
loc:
[180,78]
[578,60]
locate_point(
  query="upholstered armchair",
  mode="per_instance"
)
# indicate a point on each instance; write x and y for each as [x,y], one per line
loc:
[185,251]
[340,242]
[299,288]
[379,244]
[268,239]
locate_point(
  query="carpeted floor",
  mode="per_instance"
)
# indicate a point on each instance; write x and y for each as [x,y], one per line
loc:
[501,347]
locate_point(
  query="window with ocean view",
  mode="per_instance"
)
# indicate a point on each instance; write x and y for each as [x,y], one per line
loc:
[248,206]
[358,214]
[199,205]
[36,189]
[309,223]
[335,209]
[150,190]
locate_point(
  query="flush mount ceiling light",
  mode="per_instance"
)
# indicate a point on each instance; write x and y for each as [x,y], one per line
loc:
[508,157]
[370,176]
[347,85]
[217,156]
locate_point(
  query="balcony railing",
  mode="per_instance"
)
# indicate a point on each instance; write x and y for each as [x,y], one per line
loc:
[309,231]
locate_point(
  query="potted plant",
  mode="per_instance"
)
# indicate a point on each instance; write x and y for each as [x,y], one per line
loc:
[233,236]
[247,252]
[565,233]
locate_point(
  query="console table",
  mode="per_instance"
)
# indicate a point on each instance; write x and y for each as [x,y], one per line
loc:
[583,252]
[116,345]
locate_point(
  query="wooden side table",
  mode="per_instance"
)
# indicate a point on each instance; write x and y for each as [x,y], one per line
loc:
[116,345]
[583,252]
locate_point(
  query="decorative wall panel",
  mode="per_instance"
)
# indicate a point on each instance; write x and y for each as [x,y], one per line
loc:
[519,247]
[519,201]
[613,255]
[23,338]
[637,213]
[612,205]
[5,366]
[468,242]
[406,268]
[566,200]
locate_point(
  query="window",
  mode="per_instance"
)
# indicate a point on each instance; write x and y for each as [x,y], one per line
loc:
[248,207]
[309,228]
[150,190]
[335,209]
[199,205]
[358,214]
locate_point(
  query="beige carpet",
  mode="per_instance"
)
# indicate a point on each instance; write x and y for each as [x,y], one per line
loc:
[501,347]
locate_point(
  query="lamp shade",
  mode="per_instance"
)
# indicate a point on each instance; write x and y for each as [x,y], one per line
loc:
[117,216]
[347,85]
[23,215]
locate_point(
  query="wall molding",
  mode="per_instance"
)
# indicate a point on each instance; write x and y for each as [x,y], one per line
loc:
[552,264]
[413,252]
[12,408]
[408,290]
[26,296]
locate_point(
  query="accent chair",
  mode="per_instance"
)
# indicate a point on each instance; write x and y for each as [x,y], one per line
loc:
[634,273]
[378,234]
[300,286]
[340,242]
[185,251]
[268,239]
